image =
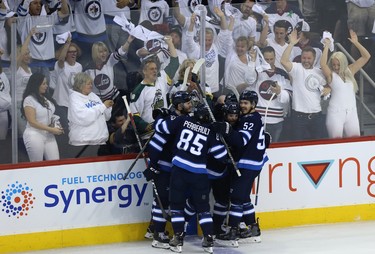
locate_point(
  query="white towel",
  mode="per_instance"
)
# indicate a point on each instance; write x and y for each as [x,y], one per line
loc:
[61,38]
[43,12]
[329,36]
[258,9]
[124,23]
[261,64]
[373,28]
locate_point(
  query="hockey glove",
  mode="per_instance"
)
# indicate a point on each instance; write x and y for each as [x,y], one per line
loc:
[223,128]
[160,112]
[268,139]
[150,173]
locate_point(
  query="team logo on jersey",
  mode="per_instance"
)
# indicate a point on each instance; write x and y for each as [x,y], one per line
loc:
[153,46]
[158,100]
[93,10]
[265,90]
[312,83]
[315,170]
[102,81]
[39,38]
[154,14]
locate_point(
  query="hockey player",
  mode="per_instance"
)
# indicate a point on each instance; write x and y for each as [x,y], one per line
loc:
[249,145]
[160,154]
[194,140]
[220,175]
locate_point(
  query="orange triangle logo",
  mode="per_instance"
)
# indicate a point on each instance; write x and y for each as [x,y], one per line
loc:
[315,171]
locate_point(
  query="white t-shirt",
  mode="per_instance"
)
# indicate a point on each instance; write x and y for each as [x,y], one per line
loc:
[342,94]
[65,80]
[43,115]
[279,50]
[306,84]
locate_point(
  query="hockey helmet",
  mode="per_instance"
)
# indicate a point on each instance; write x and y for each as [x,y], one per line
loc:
[180,97]
[231,97]
[231,108]
[251,96]
[201,113]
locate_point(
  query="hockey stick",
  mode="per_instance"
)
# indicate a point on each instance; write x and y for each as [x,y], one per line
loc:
[186,76]
[195,70]
[165,215]
[265,125]
[138,156]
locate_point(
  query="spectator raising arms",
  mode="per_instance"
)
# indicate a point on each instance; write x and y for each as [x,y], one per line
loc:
[308,87]
[87,114]
[66,67]
[39,109]
[101,69]
[342,117]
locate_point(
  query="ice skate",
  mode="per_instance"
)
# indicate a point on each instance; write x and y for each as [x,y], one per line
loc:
[250,234]
[150,232]
[208,243]
[228,239]
[177,242]
[161,240]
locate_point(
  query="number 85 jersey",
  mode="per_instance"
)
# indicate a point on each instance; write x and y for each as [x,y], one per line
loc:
[193,141]
[248,142]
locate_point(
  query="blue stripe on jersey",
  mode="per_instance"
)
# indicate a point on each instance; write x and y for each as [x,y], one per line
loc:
[251,164]
[190,166]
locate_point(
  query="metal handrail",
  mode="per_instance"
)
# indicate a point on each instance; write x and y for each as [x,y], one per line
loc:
[346,53]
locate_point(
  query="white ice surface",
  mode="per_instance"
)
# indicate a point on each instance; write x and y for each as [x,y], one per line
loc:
[341,238]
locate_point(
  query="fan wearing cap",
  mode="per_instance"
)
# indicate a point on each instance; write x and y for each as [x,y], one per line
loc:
[306,39]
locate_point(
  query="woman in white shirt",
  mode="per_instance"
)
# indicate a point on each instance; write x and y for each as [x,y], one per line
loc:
[39,108]
[87,114]
[342,118]
[66,67]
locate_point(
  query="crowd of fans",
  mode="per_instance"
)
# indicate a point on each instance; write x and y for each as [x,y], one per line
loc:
[141,49]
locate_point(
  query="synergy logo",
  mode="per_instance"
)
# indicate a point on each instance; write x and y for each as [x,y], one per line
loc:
[17,200]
